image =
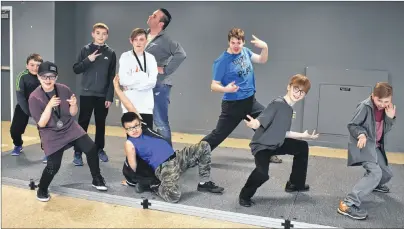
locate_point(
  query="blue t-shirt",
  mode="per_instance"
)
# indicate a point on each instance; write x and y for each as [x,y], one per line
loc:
[152,150]
[235,67]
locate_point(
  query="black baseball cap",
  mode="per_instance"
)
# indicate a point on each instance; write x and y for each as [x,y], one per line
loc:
[47,67]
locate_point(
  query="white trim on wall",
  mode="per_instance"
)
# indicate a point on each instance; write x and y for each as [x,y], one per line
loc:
[10,10]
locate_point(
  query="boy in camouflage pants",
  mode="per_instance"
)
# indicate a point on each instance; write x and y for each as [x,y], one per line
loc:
[160,156]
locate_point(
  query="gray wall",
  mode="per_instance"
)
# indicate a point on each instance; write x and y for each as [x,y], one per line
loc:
[65,42]
[33,31]
[340,35]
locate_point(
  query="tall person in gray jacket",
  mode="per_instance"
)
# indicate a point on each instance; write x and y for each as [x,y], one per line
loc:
[169,55]
[97,64]
[373,119]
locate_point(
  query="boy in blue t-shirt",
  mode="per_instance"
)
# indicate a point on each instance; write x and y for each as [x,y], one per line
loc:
[168,164]
[233,75]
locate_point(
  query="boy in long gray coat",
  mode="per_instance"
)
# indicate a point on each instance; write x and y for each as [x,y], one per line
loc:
[373,119]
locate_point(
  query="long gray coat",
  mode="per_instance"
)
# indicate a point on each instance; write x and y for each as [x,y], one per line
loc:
[364,122]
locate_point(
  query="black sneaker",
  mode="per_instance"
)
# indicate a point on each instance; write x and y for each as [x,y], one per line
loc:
[382,188]
[245,202]
[155,188]
[42,195]
[99,183]
[209,187]
[293,188]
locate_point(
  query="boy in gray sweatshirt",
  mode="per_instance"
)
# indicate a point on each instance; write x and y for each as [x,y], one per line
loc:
[273,137]
[97,64]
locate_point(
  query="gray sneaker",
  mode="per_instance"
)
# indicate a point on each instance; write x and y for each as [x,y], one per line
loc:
[382,188]
[352,211]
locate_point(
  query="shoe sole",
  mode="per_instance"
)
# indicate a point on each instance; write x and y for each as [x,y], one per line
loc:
[303,190]
[130,184]
[207,190]
[43,200]
[77,164]
[353,217]
[100,188]
[382,191]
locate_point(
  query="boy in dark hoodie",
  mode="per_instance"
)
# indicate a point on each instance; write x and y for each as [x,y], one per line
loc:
[97,64]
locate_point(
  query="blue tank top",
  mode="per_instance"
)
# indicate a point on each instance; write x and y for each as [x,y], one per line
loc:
[152,150]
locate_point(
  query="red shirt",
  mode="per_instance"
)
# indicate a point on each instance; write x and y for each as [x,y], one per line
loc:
[379,114]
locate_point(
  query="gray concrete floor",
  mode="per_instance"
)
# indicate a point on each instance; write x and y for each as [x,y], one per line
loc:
[329,178]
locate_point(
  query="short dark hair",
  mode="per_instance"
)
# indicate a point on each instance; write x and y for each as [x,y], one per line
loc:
[129,117]
[166,19]
[35,57]
[136,32]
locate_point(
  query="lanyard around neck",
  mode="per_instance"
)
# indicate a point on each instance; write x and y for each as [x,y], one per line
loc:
[144,58]
[58,114]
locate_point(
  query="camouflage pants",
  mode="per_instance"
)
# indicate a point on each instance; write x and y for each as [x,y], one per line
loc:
[169,172]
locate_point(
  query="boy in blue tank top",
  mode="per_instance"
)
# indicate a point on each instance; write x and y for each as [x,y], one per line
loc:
[157,152]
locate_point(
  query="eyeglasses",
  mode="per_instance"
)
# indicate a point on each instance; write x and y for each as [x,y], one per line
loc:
[297,90]
[50,77]
[136,127]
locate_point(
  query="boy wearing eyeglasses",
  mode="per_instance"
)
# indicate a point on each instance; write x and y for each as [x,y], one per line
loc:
[166,163]
[273,137]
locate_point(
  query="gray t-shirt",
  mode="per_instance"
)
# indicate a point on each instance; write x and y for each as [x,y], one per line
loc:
[275,121]
[52,137]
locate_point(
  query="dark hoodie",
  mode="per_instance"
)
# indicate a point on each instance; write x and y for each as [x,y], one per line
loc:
[97,75]
[26,83]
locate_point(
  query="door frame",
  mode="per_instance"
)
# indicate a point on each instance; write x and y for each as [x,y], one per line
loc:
[10,10]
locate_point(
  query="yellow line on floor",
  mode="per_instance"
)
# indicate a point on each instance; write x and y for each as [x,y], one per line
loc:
[31,136]
[69,212]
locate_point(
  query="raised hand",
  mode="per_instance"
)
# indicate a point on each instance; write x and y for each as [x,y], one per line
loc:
[253,123]
[72,101]
[361,141]
[231,87]
[258,43]
[93,56]
[390,110]
[54,101]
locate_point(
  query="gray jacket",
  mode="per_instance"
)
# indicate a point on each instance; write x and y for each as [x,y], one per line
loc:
[364,122]
[168,53]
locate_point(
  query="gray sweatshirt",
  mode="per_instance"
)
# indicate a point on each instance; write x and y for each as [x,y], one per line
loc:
[275,121]
[168,53]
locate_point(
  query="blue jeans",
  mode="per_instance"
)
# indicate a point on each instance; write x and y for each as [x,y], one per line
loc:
[161,94]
